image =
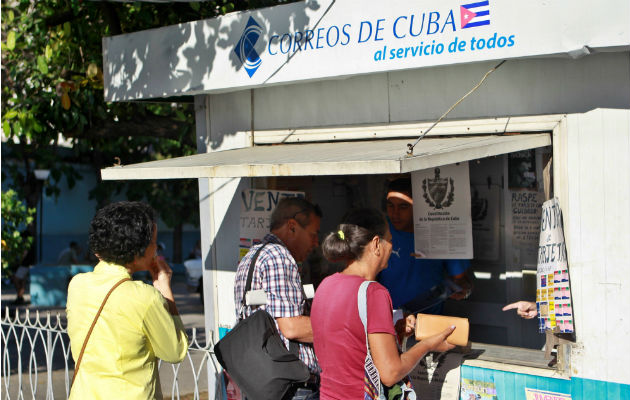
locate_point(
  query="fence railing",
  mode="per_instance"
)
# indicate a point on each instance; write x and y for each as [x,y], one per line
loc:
[37,362]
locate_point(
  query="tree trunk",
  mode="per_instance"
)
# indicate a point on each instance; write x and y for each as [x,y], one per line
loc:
[177,243]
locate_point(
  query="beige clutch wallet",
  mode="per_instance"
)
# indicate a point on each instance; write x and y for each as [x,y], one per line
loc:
[429,325]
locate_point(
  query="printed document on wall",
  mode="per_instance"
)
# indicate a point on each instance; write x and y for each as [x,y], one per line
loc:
[441,212]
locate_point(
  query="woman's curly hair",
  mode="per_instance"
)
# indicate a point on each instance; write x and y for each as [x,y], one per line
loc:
[121,231]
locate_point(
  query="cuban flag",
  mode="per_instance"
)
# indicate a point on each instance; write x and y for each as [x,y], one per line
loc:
[475,14]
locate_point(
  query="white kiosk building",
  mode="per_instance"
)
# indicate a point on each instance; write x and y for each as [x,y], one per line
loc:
[324,96]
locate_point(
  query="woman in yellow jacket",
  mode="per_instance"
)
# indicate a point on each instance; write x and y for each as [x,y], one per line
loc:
[138,324]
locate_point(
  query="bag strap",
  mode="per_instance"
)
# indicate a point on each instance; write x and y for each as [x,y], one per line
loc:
[250,275]
[362,303]
[372,375]
[87,337]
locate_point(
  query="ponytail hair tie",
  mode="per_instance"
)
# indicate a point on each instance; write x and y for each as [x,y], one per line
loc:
[341,235]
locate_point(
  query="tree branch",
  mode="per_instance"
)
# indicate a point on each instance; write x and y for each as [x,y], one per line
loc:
[150,125]
[61,18]
[111,18]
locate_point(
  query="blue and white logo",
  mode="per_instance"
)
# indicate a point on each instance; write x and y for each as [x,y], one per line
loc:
[245,50]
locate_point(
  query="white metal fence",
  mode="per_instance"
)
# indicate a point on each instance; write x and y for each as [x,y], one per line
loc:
[37,362]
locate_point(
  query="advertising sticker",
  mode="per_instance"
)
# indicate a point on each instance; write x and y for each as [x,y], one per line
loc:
[533,394]
[478,390]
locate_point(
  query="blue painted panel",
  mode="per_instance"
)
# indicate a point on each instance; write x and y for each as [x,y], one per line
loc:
[49,285]
[586,389]
[79,269]
[511,386]
[222,332]
[53,244]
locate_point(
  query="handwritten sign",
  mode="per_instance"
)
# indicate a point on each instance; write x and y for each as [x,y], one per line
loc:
[553,289]
[526,206]
[441,212]
[256,208]
[533,394]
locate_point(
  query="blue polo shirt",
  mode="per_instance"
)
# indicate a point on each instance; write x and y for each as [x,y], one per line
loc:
[406,277]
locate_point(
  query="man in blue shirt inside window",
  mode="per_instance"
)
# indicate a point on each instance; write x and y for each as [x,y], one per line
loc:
[417,284]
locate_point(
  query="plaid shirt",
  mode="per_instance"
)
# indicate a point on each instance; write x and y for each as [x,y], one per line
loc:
[275,272]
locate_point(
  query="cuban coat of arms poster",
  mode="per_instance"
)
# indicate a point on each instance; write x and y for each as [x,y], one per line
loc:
[441,212]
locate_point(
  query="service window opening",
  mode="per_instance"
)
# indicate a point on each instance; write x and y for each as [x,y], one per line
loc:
[506,193]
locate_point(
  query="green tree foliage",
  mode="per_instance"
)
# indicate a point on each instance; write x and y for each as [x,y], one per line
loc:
[53,112]
[52,100]
[16,216]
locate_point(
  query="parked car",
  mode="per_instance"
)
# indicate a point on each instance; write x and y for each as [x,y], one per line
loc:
[194,276]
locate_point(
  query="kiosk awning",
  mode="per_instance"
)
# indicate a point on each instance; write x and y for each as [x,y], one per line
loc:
[339,158]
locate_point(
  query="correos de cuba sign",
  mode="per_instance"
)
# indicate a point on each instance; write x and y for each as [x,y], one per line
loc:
[427,29]
[323,39]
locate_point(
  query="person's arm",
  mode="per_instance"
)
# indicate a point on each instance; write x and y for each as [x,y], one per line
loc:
[459,271]
[161,274]
[391,365]
[462,280]
[296,328]
[164,331]
[525,309]
[282,283]
[162,324]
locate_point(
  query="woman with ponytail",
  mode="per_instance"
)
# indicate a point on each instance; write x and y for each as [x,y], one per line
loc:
[363,242]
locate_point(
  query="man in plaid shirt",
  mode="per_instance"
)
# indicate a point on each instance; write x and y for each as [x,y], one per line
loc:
[294,233]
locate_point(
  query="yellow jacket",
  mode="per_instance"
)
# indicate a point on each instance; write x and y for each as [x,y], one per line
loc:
[132,332]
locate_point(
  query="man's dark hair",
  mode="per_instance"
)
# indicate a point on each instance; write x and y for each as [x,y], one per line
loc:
[121,231]
[402,185]
[297,208]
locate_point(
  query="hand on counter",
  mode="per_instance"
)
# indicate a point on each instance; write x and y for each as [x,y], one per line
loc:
[405,326]
[462,280]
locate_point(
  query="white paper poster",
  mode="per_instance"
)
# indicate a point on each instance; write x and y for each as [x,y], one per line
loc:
[441,212]
[553,290]
[526,206]
[256,208]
